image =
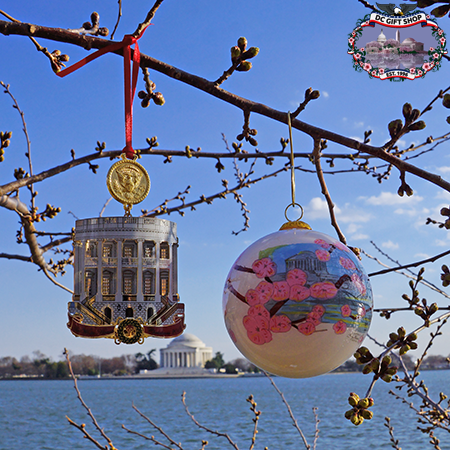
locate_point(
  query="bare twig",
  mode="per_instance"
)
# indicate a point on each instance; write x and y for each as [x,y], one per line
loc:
[215,432]
[151,438]
[118,19]
[88,410]
[291,414]
[158,428]
[148,19]
[325,191]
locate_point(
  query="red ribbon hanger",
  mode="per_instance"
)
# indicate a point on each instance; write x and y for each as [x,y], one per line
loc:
[130,79]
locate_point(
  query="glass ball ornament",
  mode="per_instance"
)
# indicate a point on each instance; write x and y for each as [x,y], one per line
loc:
[297,303]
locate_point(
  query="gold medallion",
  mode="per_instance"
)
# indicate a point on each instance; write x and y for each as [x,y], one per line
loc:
[128,181]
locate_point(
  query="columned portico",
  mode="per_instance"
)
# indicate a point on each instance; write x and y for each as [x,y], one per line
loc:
[185,352]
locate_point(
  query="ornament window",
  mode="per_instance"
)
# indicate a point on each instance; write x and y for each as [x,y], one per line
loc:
[109,249]
[164,282]
[164,250]
[149,249]
[149,284]
[91,249]
[90,285]
[129,312]
[108,282]
[129,282]
[129,249]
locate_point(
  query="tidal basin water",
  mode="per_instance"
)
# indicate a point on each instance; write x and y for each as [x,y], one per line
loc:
[32,413]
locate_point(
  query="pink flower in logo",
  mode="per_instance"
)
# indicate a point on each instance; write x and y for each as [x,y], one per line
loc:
[340,245]
[435,55]
[359,284]
[280,324]
[351,41]
[428,17]
[367,67]
[361,49]
[357,56]
[296,276]
[412,70]
[252,297]
[281,290]
[339,327]
[307,328]
[440,32]
[381,71]
[319,309]
[299,293]
[426,67]
[442,40]
[374,72]
[431,49]
[314,318]
[259,311]
[347,263]
[264,290]
[264,268]
[419,72]
[322,255]
[324,290]
[353,33]
[322,243]
[346,311]
[257,329]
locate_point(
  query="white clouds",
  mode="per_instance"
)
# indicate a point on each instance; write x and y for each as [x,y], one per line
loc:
[443,169]
[412,212]
[390,199]
[358,124]
[390,245]
[325,94]
[318,209]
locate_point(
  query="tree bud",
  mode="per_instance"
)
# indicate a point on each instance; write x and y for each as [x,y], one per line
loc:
[250,53]
[401,332]
[314,95]
[235,52]
[395,127]
[242,43]
[407,109]
[158,98]
[446,101]
[363,403]
[404,348]
[244,66]
[367,414]
[386,360]
[420,125]
[415,114]
[387,378]
[95,18]
[349,413]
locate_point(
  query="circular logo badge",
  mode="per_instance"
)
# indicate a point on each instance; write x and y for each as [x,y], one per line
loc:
[129,331]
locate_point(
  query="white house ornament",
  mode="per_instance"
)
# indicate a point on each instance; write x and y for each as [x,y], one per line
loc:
[297,303]
[397,43]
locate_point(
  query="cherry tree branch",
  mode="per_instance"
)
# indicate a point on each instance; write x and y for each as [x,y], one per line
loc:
[210,87]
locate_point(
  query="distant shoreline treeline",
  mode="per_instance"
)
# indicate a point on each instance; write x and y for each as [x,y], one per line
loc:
[42,367]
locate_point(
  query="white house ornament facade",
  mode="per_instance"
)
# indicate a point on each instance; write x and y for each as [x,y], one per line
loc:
[125,280]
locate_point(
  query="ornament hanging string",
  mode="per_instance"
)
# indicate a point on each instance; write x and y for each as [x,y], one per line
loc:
[293,203]
[130,80]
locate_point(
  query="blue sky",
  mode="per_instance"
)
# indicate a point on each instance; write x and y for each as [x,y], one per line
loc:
[300,46]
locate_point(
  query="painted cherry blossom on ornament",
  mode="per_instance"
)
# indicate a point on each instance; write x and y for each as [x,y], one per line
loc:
[304,287]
